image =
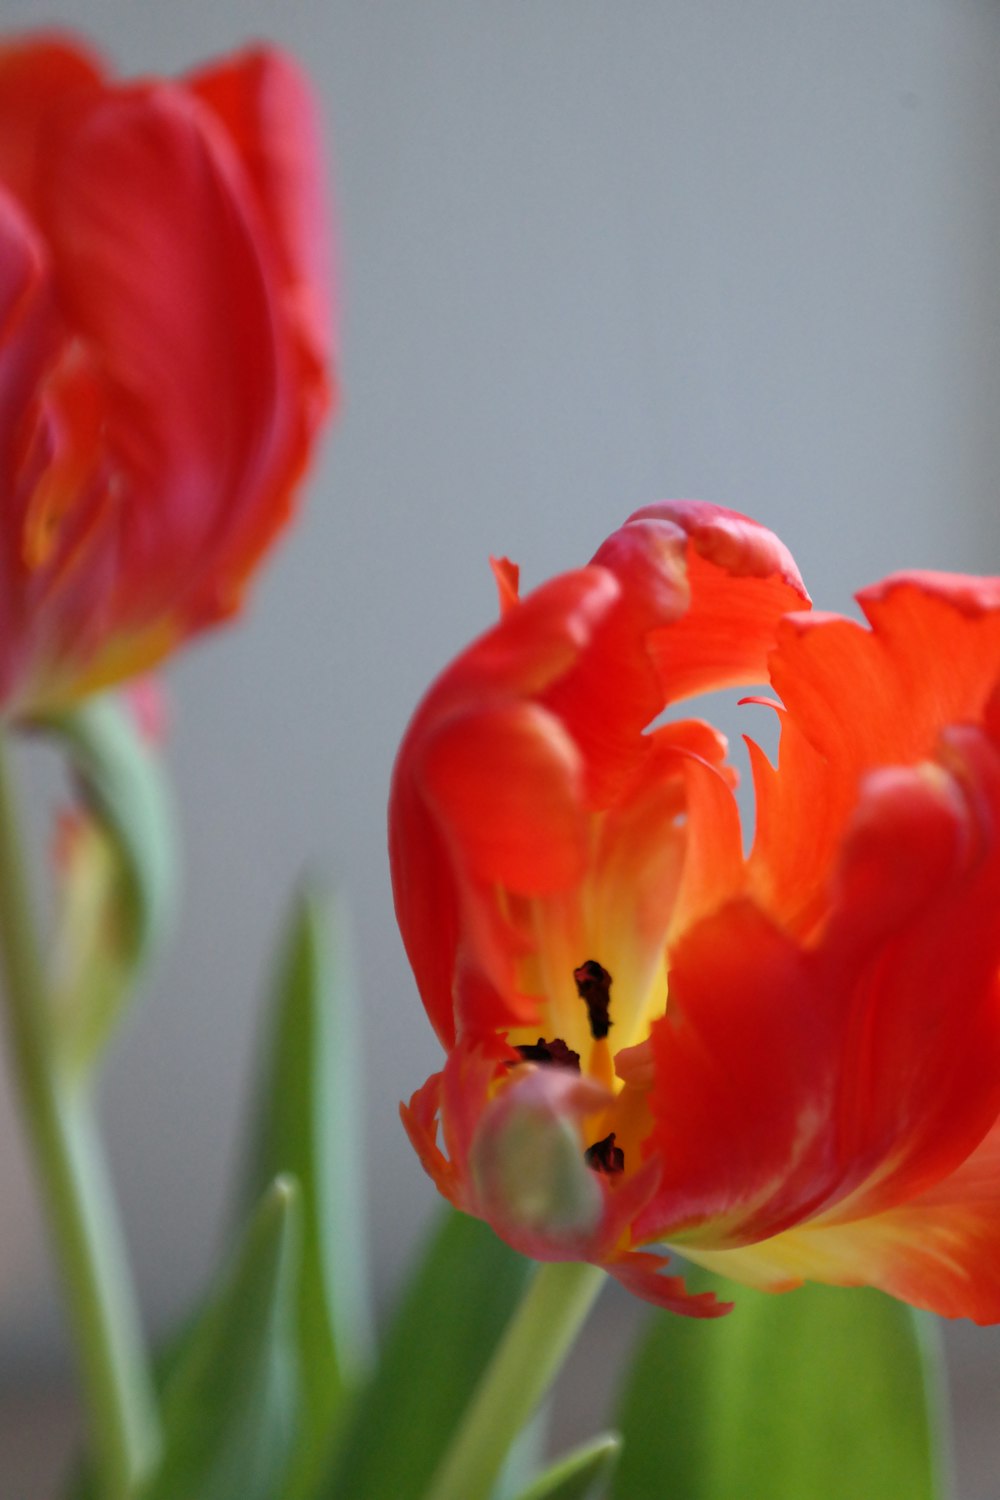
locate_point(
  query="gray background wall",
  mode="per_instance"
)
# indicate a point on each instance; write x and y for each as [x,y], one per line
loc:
[592,254]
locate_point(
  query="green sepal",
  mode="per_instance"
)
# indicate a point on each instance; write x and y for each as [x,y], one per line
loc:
[581,1474]
[118,893]
[822,1392]
[451,1318]
[307,1122]
[229,1396]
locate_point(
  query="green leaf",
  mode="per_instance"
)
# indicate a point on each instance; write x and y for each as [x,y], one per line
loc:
[119,876]
[581,1475]
[308,1123]
[822,1392]
[229,1399]
[451,1318]
[526,1455]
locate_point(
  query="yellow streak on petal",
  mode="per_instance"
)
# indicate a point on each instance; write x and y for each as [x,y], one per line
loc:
[122,657]
[601,1066]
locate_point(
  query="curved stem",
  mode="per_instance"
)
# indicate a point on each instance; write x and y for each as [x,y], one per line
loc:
[527,1360]
[76,1192]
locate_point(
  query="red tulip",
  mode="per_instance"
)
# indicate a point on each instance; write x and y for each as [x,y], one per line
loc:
[163,346]
[786,1064]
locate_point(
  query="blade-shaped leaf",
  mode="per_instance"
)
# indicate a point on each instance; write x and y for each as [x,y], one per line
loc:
[118,870]
[822,1392]
[229,1399]
[580,1475]
[526,1455]
[308,1123]
[451,1318]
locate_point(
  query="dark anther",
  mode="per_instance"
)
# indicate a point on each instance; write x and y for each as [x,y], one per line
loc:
[555,1052]
[593,985]
[605,1156]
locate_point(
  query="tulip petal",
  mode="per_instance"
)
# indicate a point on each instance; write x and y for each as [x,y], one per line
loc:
[742,580]
[713,855]
[663,852]
[613,692]
[38,77]
[262,99]
[29,335]
[921,1074]
[163,266]
[639,1273]
[745,1075]
[860,1070]
[857,698]
[531,646]
[504,783]
[939,1251]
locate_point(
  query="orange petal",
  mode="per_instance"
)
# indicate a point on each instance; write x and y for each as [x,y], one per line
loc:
[713,852]
[635,873]
[507,577]
[856,1071]
[639,1273]
[447,926]
[939,1251]
[420,1121]
[919,873]
[857,698]
[613,691]
[745,1064]
[742,580]
[504,783]
[530,648]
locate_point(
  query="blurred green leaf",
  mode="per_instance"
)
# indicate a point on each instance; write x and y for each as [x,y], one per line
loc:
[308,1123]
[580,1475]
[229,1399]
[118,871]
[526,1455]
[452,1315]
[822,1393]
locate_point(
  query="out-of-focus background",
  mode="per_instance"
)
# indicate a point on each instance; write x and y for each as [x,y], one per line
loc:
[592,254]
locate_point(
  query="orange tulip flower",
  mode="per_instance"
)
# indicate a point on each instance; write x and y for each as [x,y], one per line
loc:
[783,1064]
[163,349]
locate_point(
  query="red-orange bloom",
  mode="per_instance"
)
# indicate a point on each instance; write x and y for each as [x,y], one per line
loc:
[163,347]
[801,1074]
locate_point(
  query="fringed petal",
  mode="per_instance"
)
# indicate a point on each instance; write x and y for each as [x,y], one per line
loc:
[939,1251]
[640,1274]
[859,698]
[859,1069]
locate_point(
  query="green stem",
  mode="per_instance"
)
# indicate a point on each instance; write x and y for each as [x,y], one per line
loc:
[76,1192]
[527,1360]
